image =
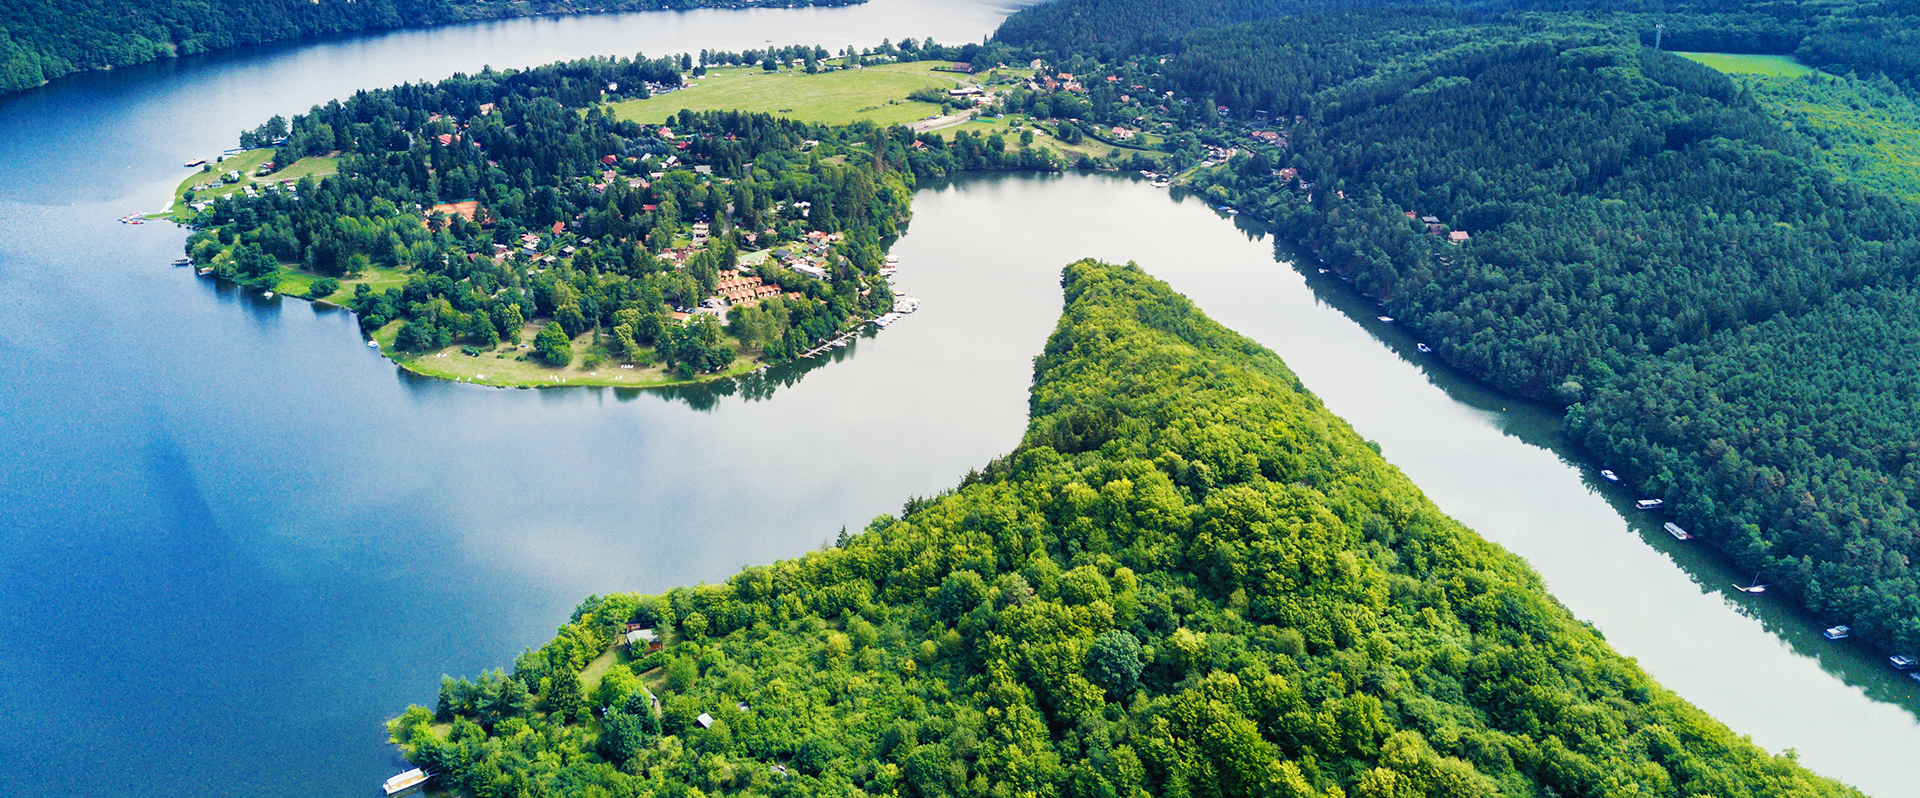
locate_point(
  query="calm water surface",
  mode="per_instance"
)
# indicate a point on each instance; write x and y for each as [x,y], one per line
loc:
[233,540]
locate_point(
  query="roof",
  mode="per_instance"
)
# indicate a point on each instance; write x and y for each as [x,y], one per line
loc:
[705,720]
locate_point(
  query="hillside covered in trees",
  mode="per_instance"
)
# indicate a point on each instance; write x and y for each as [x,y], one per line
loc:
[1189,579]
[1720,293]
[45,39]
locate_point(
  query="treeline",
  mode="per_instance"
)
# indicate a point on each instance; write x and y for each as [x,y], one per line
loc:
[45,39]
[1188,580]
[1639,231]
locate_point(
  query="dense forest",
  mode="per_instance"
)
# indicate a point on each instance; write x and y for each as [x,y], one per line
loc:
[45,39]
[1574,216]
[1189,579]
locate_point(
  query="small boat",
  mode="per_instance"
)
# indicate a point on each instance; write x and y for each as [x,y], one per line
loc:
[1755,589]
[266,295]
[1914,676]
[136,221]
[1387,319]
[1609,475]
[1649,504]
[1675,530]
[182,261]
[196,162]
[1902,662]
[1323,271]
[373,344]
[1423,347]
[1837,632]
[203,271]
[404,782]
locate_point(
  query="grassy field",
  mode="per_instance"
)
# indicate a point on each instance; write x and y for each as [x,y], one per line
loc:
[875,94]
[513,365]
[296,282]
[1782,66]
[1044,140]
[245,163]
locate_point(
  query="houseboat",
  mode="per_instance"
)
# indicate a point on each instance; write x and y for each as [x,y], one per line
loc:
[1902,662]
[1609,475]
[404,782]
[1675,530]
[1649,504]
[1837,632]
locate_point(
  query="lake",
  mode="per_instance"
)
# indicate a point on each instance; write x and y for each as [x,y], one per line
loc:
[233,540]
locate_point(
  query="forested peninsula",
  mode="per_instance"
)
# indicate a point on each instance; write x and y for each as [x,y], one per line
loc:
[41,40]
[1190,579]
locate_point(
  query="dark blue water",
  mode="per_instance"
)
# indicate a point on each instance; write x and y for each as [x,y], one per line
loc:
[233,540]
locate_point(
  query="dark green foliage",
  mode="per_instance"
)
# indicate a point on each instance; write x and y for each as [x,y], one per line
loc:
[1315,625]
[45,39]
[552,345]
[1113,662]
[1646,244]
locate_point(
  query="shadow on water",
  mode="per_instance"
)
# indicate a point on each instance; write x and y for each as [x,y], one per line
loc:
[1540,425]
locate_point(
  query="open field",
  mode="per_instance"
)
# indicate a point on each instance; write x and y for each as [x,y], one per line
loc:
[1742,64]
[294,281]
[510,366]
[987,126]
[874,95]
[245,163]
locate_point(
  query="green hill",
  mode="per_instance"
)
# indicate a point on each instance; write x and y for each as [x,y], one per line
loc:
[1189,580]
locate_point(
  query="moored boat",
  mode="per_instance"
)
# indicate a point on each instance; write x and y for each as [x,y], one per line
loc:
[1649,504]
[1675,530]
[1841,632]
[1609,475]
[1902,662]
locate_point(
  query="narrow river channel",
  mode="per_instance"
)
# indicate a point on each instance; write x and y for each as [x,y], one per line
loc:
[233,540]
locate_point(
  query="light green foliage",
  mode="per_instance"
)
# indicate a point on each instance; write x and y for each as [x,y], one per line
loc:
[1317,627]
[1781,66]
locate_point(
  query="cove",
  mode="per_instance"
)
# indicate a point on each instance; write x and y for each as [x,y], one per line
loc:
[236,539]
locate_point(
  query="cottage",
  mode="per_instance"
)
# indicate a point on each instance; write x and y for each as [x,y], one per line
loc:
[643,637]
[1457,237]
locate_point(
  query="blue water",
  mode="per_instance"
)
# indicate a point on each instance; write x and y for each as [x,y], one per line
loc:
[233,540]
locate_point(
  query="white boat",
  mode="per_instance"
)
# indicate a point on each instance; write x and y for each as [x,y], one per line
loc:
[403,782]
[905,304]
[1841,632]
[1387,319]
[1649,504]
[1609,475]
[267,295]
[373,344]
[1423,347]
[1902,662]
[1675,530]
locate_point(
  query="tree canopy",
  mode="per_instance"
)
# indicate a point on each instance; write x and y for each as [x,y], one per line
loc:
[1189,579]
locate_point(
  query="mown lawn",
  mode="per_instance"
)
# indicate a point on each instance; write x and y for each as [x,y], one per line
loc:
[875,94]
[1743,64]
[245,163]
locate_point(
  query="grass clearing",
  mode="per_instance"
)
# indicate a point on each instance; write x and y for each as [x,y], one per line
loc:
[1782,66]
[1013,124]
[246,163]
[875,94]
[513,365]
